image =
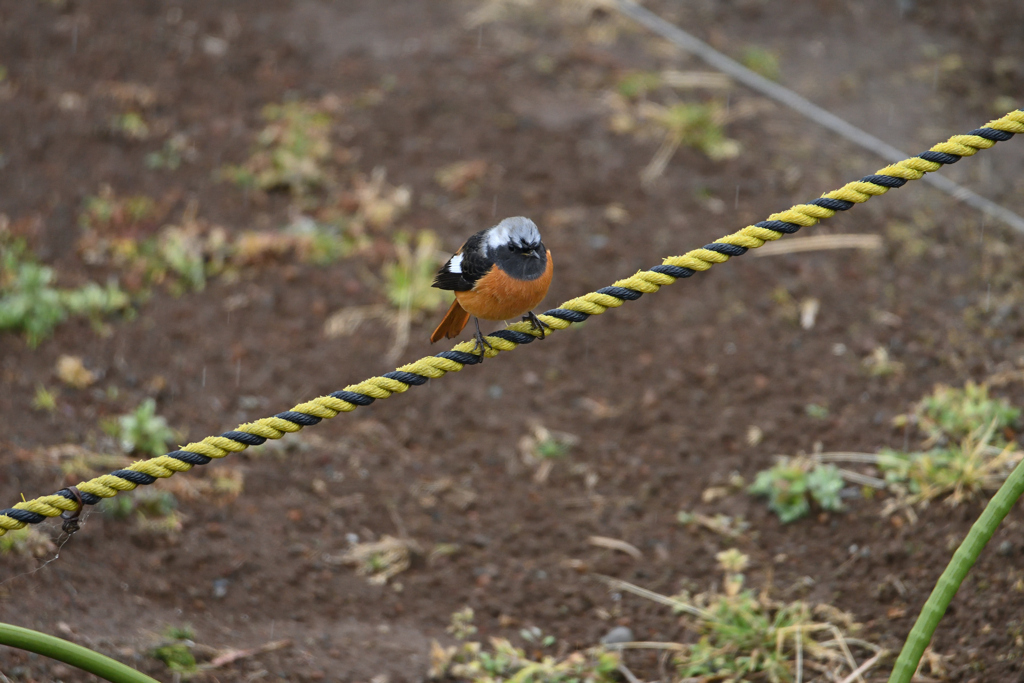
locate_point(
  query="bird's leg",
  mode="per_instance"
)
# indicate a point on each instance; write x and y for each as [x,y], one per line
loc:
[481,343]
[538,324]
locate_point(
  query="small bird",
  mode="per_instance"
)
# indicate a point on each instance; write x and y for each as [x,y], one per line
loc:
[500,273]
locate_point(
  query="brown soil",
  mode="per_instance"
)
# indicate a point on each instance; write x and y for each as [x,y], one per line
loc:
[661,392]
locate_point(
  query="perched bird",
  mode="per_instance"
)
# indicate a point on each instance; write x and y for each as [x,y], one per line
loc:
[500,273]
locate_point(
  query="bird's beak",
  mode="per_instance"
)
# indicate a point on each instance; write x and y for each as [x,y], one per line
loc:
[534,253]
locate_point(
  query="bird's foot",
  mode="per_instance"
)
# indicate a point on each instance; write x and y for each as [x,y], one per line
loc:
[538,324]
[481,343]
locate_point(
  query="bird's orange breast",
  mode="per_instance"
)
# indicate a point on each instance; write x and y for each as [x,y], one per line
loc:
[499,296]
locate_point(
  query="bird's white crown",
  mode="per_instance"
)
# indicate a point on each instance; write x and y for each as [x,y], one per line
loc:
[518,230]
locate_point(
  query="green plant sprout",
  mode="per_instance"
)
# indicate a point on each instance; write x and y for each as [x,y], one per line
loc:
[637,84]
[407,279]
[950,414]
[322,242]
[290,152]
[461,627]
[176,149]
[534,635]
[816,410]
[107,213]
[380,560]
[700,126]
[141,430]
[176,650]
[29,302]
[45,399]
[761,61]
[793,483]
[130,125]
[154,512]
[879,364]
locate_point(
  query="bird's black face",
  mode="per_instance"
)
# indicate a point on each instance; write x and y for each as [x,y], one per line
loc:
[522,261]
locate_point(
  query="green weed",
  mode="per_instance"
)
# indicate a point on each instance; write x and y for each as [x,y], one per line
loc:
[743,635]
[108,214]
[637,84]
[152,502]
[960,471]
[152,511]
[461,627]
[28,541]
[793,483]
[30,303]
[879,364]
[407,279]
[697,125]
[950,414]
[816,410]
[142,430]
[541,448]
[118,231]
[761,61]
[380,560]
[290,152]
[130,125]
[470,661]
[968,447]
[738,634]
[45,399]
[82,463]
[176,149]
[322,242]
[544,444]
[176,650]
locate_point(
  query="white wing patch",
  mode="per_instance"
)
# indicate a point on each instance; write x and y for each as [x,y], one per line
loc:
[455,264]
[516,230]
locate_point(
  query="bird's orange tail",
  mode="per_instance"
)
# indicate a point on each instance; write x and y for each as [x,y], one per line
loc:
[454,322]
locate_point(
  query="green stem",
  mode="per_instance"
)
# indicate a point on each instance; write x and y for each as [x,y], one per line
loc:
[69,653]
[953,576]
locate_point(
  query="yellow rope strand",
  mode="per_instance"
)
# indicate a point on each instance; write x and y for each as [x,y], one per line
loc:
[594,303]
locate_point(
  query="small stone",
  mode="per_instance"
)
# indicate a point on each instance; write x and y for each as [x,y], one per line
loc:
[220,588]
[619,634]
[1006,548]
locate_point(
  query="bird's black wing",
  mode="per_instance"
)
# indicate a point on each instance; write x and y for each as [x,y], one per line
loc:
[453,281]
[474,265]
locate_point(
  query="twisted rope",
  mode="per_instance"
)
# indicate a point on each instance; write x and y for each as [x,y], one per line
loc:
[145,472]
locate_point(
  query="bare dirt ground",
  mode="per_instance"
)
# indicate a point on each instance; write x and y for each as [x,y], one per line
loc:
[660,393]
